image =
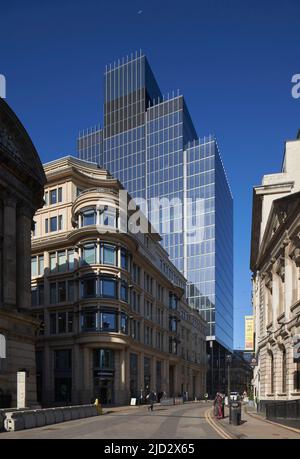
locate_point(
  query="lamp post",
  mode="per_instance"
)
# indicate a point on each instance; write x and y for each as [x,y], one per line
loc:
[228,360]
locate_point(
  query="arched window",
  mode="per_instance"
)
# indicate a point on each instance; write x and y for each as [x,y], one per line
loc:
[89,217]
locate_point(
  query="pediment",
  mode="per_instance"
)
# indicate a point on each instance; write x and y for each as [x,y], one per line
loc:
[282,209]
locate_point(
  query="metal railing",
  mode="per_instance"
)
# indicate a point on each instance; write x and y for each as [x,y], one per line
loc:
[288,409]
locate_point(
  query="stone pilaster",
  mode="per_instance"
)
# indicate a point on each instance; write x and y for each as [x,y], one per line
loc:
[141,371]
[153,373]
[23,268]
[289,281]
[9,252]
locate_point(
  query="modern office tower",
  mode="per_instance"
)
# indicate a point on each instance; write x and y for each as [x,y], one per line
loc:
[116,325]
[150,144]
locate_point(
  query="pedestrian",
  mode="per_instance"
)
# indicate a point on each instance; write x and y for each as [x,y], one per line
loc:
[151,397]
[223,406]
[218,406]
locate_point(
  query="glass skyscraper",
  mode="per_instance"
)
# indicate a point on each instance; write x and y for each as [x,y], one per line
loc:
[150,144]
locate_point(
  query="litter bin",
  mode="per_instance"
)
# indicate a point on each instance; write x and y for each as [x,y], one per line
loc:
[235,412]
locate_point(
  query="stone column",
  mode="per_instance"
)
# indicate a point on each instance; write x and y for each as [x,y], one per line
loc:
[127,371]
[177,388]
[87,376]
[76,376]
[165,376]
[47,376]
[141,372]
[288,291]
[23,236]
[153,374]
[122,370]
[9,252]
[275,296]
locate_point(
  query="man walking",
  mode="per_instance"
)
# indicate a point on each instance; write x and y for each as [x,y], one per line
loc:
[151,398]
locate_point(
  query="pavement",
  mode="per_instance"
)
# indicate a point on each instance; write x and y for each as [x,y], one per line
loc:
[254,426]
[193,420]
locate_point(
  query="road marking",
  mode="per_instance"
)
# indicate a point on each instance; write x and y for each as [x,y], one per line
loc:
[254,416]
[216,426]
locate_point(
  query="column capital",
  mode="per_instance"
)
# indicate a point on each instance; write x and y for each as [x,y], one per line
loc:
[25,210]
[10,199]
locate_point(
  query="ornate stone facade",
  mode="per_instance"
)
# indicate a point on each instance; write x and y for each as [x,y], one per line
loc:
[114,318]
[275,262]
[21,193]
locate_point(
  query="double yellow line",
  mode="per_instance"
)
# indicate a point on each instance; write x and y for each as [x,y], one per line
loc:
[216,427]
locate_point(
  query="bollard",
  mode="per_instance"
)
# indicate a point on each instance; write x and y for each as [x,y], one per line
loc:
[98,406]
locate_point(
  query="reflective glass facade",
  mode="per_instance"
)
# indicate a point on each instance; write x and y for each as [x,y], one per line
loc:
[150,144]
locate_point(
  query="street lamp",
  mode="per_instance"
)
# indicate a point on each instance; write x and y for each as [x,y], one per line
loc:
[228,360]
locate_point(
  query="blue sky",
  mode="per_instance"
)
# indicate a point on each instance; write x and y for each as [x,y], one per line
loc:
[232,59]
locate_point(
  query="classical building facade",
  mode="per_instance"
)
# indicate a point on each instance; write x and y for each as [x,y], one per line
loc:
[275,262]
[22,181]
[114,319]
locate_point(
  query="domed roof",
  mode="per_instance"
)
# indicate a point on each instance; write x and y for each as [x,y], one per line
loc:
[17,151]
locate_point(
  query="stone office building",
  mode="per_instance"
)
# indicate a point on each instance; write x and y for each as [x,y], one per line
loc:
[22,181]
[275,262]
[114,319]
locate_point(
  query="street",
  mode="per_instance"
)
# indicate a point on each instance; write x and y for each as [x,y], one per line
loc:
[189,421]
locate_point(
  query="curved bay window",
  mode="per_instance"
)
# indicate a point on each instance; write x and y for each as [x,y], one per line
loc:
[108,321]
[89,254]
[95,320]
[89,321]
[173,345]
[89,217]
[124,323]
[108,287]
[108,217]
[173,301]
[108,254]
[105,253]
[99,321]
[124,291]
[172,324]
[124,259]
[103,287]
[89,287]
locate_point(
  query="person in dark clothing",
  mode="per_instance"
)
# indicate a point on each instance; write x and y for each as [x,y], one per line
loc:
[151,398]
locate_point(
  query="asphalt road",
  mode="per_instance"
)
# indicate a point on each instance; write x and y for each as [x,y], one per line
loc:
[165,422]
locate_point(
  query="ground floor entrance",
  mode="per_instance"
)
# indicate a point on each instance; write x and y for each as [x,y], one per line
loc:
[104,387]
